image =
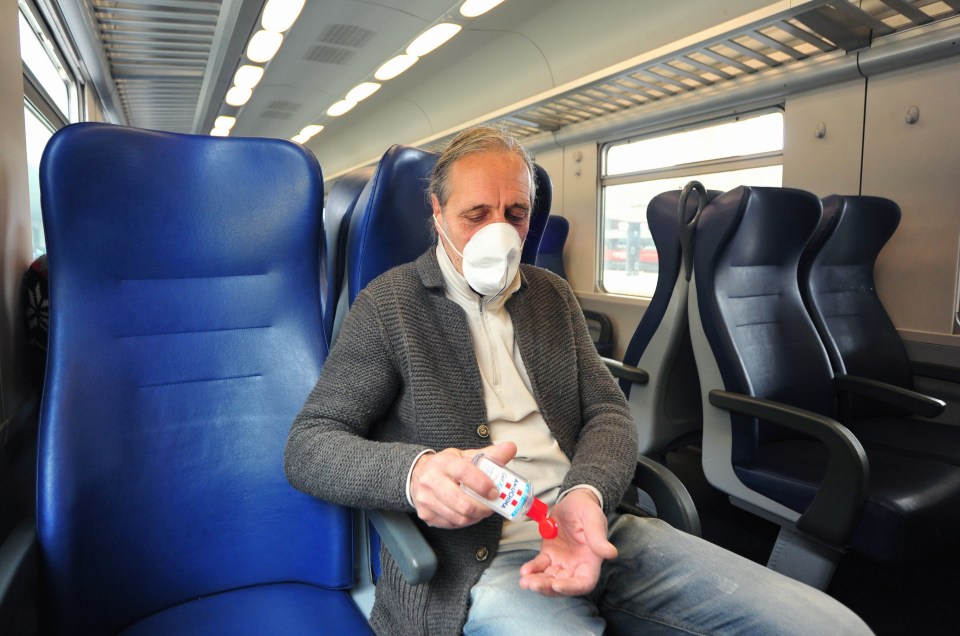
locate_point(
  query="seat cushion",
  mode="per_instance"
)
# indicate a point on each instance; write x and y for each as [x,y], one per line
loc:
[910,436]
[283,608]
[912,508]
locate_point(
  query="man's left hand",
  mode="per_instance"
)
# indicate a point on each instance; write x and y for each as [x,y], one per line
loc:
[569,565]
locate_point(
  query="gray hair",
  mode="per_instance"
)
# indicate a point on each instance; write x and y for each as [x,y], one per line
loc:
[471,141]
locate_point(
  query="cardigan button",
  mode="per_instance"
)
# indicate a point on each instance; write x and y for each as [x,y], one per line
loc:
[483,431]
[482,554]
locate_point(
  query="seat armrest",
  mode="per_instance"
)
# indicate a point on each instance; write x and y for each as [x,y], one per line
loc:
[835,508]
[671,498]
[936,371]
[890,394]
[606,327]
[18,569]
[406,544]
[626,372]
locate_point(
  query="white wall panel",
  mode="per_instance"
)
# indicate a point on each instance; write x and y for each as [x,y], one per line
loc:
[828,163]
[14,207]
[918,166]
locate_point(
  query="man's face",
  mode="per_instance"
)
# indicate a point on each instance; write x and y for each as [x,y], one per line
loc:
[487,187]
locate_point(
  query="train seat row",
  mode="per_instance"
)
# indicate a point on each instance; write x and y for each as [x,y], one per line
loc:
[550,256]
[181,347]
[751,366]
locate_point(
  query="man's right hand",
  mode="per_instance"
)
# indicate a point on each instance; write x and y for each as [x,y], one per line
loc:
[435,485]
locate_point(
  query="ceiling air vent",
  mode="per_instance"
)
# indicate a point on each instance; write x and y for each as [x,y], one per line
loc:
[346,35]
[280,109]
[328,54]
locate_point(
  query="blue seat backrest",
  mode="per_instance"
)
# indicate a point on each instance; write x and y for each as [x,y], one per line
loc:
[663,219]
[550,254]
[392,219]
[837,280]
[183,270]
[748,244]
[542,203]
[336,224]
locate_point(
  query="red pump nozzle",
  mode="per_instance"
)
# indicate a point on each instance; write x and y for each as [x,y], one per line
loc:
[546,525]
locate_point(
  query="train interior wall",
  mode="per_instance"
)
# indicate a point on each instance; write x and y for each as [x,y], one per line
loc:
[16,457]
[868,148]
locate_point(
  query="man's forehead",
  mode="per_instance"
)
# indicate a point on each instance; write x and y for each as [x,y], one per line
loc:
[481,172]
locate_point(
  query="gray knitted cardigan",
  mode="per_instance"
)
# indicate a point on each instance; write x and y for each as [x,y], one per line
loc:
[403,377]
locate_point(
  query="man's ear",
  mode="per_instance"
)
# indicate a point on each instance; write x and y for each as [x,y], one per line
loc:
[435,204]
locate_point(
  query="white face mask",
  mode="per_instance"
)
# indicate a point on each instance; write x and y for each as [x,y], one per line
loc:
[491,257]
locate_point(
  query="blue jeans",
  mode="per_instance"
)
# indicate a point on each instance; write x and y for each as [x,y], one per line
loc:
[663,582]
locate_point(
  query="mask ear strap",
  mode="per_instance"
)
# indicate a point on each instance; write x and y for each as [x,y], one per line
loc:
[449,242]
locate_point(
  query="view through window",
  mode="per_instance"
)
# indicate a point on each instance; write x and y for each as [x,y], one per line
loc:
[748,151]
[49,102]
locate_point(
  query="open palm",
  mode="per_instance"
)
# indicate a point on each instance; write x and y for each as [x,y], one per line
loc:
[570,564]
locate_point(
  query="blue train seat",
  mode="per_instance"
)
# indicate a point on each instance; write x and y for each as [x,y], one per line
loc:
[550,256]
[771,439]
[336,222]
[666,407]
[837,282]
[184,340]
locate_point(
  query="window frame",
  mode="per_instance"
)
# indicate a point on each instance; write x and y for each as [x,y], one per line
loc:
[44,20]
[40,17]
[684,170]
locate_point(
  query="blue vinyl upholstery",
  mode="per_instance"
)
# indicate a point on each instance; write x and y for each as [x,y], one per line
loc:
[550,255]
[336,224]
[185,339]
[753,338]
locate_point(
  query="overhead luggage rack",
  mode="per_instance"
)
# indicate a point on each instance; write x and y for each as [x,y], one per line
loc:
[158,54]
[814,29]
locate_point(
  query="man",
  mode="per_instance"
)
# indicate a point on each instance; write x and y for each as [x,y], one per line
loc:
[465,350]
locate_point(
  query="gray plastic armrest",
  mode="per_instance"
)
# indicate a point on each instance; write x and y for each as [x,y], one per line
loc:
[626,372]
[670,496]
[936,371]
[18,566]
[406,544]
[836,507]
[890,394]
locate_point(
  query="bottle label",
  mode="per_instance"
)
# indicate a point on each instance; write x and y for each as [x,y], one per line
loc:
[513,492]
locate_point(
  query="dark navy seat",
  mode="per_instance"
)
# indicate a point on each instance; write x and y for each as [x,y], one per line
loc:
[837,282]
[666,407]
[336,222]
[550,256]
[184,340]
[771,439]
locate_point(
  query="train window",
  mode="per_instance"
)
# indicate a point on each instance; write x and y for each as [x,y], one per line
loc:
[50,101]
[39,132]
[721,156]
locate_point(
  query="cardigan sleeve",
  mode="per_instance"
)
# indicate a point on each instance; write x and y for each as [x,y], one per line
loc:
[607,447]
[329,454]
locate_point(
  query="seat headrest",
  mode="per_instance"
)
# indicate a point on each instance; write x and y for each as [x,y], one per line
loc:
[391,223]
[550,254]
[746,253]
